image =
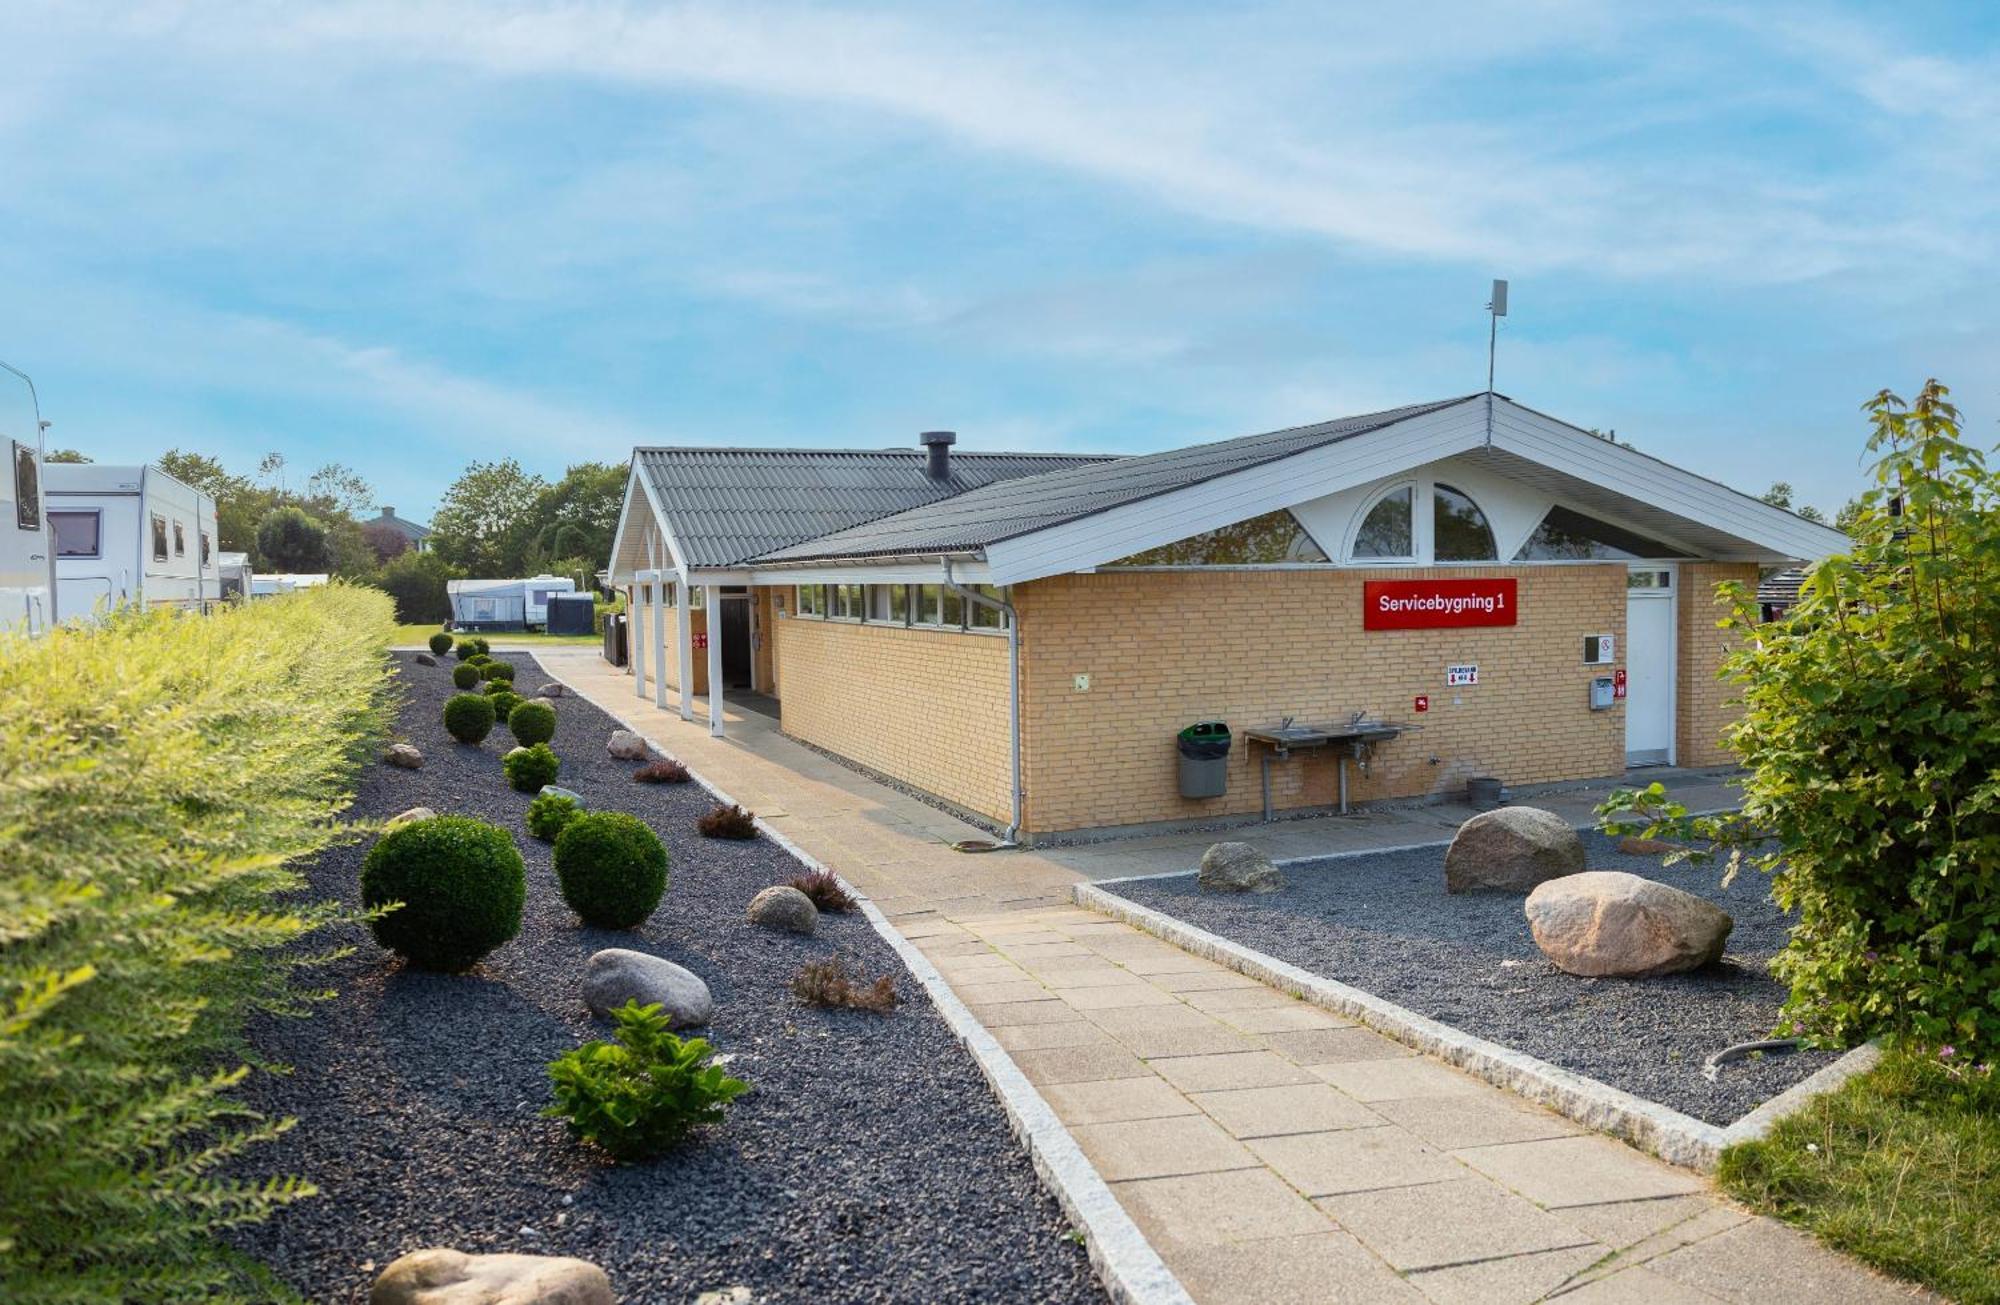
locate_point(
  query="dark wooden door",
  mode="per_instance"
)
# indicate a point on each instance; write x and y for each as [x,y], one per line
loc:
[736,641]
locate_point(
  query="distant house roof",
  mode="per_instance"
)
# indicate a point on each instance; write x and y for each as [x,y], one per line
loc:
[726,506]
[1781,587]
[409,530]
[976,519]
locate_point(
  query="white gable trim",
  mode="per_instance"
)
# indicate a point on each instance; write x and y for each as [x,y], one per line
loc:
[637,475]
[1166,518]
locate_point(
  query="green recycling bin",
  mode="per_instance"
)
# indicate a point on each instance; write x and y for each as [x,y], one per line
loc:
[1204,749]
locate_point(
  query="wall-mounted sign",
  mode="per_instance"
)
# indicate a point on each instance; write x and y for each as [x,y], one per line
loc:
[1618,683]
[1436,604]
[1457,675]
[1599,648]
[1423,702]
[700,639]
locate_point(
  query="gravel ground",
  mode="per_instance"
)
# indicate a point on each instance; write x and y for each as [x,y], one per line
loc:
[869,1162]
[1383,923]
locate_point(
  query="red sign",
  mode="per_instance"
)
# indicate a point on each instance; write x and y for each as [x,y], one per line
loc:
[1423,702]
[700,639]
[1436,604]
[1618,683]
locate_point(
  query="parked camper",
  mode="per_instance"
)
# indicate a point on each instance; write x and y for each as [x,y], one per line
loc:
[27,572]
[505,604]
[129,535]
[233,572]
[266,586]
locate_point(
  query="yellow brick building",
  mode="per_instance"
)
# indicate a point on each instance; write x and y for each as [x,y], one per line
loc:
[1488,592]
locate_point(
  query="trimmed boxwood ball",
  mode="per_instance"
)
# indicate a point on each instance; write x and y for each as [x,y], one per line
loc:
[530,768]
[498,670]
[468,717]
[461,884]
[612,869]
[440,643]
[532,723]
[465,650]
[465,675]
[482,645]
[504,701]
[549,814]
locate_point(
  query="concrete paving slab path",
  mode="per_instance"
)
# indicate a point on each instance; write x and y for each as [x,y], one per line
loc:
[1267,1149]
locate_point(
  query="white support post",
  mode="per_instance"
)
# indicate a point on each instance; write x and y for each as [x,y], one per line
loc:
[660,645]
[686,642]
[712,595]
[635,642]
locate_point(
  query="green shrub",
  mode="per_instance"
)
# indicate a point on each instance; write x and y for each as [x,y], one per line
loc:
[1869,729]
[498,670]
[504,700]
[483,646]
[461,885]
[150,899]
[465,649]
[549,814]
[440,643]
[478,659]
[468,717]
[642,1094]
[530,768]
[532,723]
[465,675]
[612,869]
[419,584]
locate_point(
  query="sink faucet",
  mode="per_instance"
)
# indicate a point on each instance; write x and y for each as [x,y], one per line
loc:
[1357,718]
[1287,722]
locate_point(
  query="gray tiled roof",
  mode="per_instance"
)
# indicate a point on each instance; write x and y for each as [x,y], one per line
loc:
[974,520]
[726,506]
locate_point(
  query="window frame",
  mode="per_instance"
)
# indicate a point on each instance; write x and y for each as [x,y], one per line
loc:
[159,538]
[180,538]
[207,549]
[28,501]
[1438,487]
[96,532]
[1367,509]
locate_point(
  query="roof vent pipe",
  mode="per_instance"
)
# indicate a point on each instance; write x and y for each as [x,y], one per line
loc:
[938,443]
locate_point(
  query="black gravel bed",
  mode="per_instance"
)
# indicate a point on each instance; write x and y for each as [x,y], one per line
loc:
[1382,922]
[869,1161]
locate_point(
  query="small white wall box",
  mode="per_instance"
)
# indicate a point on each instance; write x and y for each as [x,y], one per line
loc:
[1602,693]
[1457,675]
[1599,649]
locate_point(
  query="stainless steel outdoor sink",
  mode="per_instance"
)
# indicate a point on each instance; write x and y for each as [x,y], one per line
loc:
[1354,739]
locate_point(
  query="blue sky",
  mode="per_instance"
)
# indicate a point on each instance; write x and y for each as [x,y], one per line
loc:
[405,234]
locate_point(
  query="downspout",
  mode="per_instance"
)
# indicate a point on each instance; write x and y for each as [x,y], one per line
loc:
[1007,612]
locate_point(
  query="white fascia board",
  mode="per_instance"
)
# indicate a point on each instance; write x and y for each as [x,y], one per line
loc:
[929,572]
[713,576]
[1237,496]
[618,534]
[660,516]
[637,476]
[1528,434]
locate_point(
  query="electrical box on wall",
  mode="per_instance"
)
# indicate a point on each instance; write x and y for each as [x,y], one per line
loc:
[1603,692]
[1599,649]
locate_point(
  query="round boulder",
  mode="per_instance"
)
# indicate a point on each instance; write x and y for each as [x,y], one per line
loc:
[1634,845]
[784,907]
[1607,923]
[405,756]
[425,659]
[617,975]
[413,815]
[1511,850]
[1238,868]
[442,1276]
[625,745]
[557,790]
[549,691]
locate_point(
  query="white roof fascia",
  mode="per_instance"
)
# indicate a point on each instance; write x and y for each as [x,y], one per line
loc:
[1130,528]
[715,576]
[659,518]
[899,572]
[1568,449]
[618,534]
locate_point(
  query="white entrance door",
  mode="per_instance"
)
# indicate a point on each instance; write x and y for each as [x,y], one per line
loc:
[1649,666]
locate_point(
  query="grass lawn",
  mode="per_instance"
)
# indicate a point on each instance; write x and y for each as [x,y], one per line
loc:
[1900,1168]
[416,636]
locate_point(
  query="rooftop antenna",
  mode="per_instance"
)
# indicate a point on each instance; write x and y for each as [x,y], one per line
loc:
[1498,309]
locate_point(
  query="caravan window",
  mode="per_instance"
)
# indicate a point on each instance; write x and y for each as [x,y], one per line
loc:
[540,597]
[159,538]
[77,533]
[180,541]
[204,548]
[27,488]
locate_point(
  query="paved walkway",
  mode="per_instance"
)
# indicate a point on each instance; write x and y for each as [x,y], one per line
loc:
[1269,1150]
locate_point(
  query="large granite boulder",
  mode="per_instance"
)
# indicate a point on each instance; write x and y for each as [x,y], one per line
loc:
[404,755]
[1636,845]
[1608,923]
[557,790]
[1238,868]
[785,908]
[410,817]
[617,975]
[1511,850]
[441,1276]
[549,691]
[625,745]
[425,659]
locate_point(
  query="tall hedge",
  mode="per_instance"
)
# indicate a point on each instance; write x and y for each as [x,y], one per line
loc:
[160,776]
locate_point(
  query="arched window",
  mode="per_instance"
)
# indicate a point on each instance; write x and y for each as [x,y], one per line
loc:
[1459,529]
[1388,529]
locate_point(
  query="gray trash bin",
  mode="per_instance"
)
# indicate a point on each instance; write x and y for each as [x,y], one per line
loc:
[1204,748]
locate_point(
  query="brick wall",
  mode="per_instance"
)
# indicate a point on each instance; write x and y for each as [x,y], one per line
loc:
[641,629]
[1164,649]
[1706,704]
[928,707]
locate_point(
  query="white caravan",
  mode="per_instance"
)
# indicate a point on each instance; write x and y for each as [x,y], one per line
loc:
[27,572]
[504,604]
[129,535]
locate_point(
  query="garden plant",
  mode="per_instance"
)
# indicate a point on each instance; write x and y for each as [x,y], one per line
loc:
[148,905]
[664,771]
[644,1093]
[825,889]
[532,723]
[612,869]
[465,675]
[449,890]
[440,643]
[728,822]
[549,814]
[468,717]
[529,769]
[465,648]
[497,670]
[829,983]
